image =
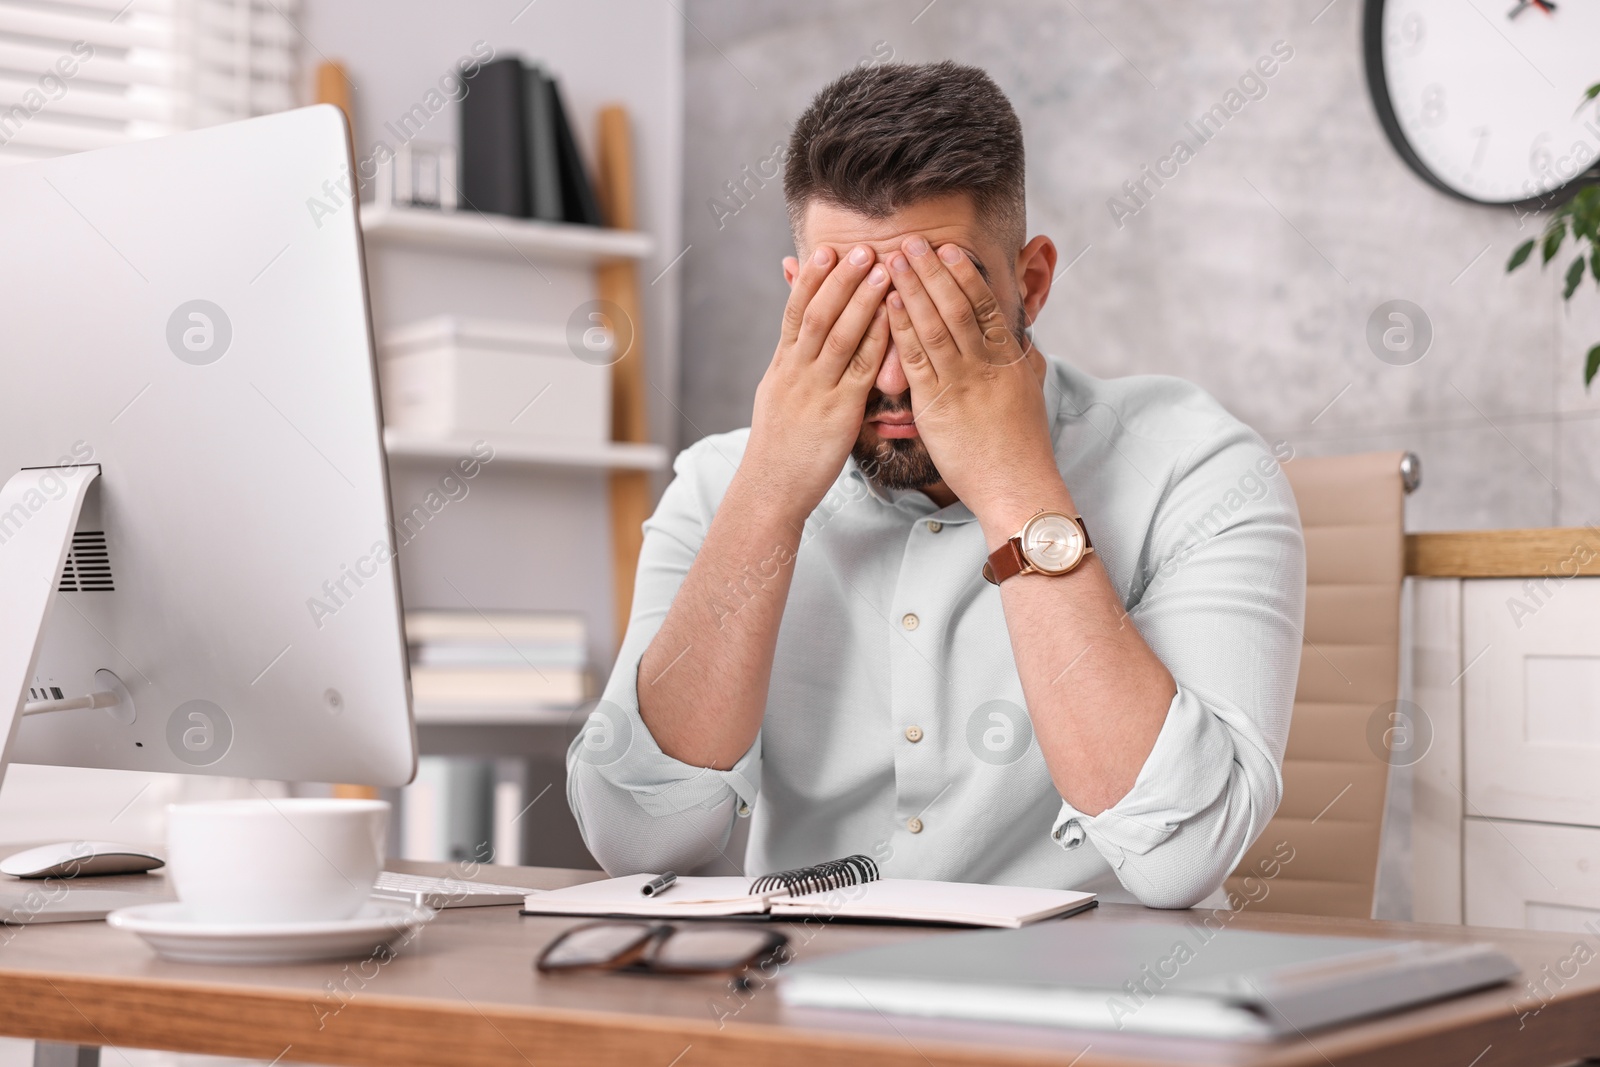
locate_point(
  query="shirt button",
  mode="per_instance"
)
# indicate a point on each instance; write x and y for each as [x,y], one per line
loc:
[910,621]
[1070,835]
[914,824]
[913,734]
[934,525]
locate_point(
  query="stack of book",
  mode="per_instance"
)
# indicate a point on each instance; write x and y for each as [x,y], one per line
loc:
[518,153]
[499,666]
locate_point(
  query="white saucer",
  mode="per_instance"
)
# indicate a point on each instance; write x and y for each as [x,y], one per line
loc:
[169,930]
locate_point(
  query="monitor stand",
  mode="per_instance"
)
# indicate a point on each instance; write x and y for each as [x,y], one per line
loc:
[39,510]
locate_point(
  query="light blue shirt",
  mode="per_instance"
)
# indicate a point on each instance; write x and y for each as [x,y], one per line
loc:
[895,723]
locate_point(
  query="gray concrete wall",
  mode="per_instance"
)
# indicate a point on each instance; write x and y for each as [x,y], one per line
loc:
[1253,272]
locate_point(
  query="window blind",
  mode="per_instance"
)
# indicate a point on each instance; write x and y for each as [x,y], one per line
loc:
[91,73]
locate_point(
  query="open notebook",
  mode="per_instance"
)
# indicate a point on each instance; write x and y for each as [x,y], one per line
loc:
[843,889]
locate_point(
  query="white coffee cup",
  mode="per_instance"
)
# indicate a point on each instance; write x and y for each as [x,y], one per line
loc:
[301,859]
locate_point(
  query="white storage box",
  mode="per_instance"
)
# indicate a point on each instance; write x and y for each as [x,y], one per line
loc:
[454,377]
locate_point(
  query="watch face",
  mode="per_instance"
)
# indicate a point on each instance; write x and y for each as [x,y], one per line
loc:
[1052,543]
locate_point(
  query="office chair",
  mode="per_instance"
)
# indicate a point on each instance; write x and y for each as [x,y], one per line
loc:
[1336,765]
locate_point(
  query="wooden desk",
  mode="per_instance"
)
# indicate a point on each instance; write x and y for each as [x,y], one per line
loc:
[465,992]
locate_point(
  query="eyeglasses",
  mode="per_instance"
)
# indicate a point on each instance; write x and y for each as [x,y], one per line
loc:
[657,948]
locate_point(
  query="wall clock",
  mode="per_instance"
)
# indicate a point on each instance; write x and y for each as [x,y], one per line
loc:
[1482,97]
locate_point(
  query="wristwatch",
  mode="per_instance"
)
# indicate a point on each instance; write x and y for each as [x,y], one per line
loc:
[1049,543]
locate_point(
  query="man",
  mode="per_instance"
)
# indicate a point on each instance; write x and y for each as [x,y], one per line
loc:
[817,643]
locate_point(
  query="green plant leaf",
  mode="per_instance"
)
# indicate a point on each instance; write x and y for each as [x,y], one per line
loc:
[1594,264]
[1520,256]
[1574,276]
[1591,92]
[1591,365]
[1583,223]
[1553,238]
[1585,211]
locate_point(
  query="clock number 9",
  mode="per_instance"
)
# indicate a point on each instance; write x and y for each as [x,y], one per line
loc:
[1433,113]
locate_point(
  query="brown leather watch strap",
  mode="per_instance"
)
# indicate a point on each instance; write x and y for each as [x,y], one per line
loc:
[1005,562]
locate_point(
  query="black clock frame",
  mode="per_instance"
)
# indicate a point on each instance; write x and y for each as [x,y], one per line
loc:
[1378,88]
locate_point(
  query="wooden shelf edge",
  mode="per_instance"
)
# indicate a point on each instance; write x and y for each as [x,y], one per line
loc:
[612,455]
[468,231]
[1556,552]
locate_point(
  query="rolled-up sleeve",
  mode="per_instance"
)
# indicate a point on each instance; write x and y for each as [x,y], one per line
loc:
[1223,607]
[638,808]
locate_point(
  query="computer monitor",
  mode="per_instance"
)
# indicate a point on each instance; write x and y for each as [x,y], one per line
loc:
[195,523]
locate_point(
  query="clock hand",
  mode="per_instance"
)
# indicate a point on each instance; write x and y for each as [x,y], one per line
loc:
[1547,6]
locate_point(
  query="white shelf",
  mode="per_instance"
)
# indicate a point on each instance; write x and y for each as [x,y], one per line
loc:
[609,455]
[501,235]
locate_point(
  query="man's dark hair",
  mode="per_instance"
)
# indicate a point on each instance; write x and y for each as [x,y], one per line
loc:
[883,137]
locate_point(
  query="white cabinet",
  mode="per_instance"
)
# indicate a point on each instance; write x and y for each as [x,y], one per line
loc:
[1532,699]
[1506,803]
[1532,875]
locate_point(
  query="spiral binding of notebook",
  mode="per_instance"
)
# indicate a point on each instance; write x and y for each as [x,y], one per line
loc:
[834,874]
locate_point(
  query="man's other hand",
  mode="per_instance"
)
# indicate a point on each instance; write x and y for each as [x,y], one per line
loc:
[975,393]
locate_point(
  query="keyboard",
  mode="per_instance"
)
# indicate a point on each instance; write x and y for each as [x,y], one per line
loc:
[445,892]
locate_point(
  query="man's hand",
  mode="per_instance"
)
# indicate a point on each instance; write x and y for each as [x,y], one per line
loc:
[975,395]
[810,402]
[808,413]
[978,405]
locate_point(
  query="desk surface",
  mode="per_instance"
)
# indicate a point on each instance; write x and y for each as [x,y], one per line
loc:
[465,992]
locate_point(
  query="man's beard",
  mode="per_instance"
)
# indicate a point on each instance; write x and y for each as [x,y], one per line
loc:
[903,462]
[896,462]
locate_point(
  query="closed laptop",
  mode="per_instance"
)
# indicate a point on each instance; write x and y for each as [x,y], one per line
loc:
[1185,979]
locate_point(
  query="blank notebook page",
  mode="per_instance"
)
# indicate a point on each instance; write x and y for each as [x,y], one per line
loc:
[951,902]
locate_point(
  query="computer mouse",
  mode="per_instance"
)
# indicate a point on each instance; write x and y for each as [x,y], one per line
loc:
[73,859]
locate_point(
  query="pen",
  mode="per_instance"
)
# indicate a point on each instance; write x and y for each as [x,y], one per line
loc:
[659,884]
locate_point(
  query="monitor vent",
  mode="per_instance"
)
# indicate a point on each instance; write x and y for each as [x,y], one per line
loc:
[88,566]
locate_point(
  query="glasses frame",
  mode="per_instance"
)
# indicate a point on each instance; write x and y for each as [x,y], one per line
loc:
[640,957]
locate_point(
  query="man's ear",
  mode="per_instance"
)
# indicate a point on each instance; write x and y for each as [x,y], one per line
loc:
[1036,270]
[791,267]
